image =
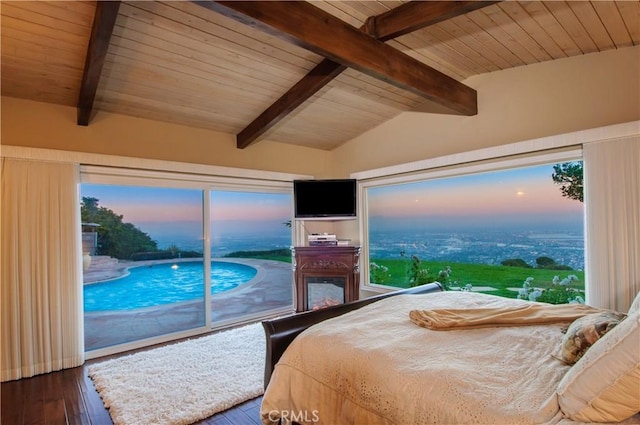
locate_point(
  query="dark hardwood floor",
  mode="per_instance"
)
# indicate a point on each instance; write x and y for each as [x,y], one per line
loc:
[68,397]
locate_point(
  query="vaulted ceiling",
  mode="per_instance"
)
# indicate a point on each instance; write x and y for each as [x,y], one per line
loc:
[307,73]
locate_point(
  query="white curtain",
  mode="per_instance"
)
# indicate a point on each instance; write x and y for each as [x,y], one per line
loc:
[41,305]
[612,208]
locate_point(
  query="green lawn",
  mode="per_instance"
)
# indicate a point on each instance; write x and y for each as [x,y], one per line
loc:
[283,255]
[477,275]
[498,277]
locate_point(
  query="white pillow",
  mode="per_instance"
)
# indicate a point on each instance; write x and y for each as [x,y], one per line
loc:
[604,385]
[635,305]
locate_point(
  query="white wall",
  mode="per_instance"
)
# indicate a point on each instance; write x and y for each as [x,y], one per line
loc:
[27,123]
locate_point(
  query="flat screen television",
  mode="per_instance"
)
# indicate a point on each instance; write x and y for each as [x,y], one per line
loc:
[324,199]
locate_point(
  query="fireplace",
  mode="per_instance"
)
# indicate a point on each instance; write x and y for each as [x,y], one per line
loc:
[324,291]
[325,276]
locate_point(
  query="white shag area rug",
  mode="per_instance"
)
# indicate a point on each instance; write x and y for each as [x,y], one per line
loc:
[182,383]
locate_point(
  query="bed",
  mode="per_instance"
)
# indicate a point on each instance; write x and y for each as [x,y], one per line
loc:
[374,362]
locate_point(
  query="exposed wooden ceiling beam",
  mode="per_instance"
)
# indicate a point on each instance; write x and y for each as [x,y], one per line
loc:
[103,23]
[316,79]
[415,15]
[401,20]
[314,29]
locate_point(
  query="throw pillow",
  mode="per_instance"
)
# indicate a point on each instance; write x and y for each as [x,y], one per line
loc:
[604,385]
[585,331]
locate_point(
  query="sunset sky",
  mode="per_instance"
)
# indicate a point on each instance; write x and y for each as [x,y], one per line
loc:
[526,193]
[151,204]
[166,212]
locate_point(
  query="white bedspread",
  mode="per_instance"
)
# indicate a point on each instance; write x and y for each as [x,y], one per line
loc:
[374,366]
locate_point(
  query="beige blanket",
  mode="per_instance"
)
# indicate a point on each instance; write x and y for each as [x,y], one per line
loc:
[374,366]
[518,315]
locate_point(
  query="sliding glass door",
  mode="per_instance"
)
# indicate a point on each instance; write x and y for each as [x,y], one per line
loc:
[251,231]
[143,262]
[171,259]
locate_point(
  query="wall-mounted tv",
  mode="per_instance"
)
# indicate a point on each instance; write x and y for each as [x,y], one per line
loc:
[324,199]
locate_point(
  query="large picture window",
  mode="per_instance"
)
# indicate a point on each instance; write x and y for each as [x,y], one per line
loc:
[514,231]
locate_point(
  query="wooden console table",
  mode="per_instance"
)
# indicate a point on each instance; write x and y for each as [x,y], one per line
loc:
[325,276]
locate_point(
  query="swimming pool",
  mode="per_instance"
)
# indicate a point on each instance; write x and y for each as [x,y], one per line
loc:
[164,283]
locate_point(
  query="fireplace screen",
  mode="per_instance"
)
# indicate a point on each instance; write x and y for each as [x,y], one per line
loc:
[325,291]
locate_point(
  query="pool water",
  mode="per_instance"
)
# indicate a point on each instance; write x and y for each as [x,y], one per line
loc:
[164,283]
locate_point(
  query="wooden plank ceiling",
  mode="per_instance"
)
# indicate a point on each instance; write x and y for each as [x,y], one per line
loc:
[205,67]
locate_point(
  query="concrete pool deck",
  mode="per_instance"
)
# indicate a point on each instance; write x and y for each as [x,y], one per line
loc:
[270,291]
